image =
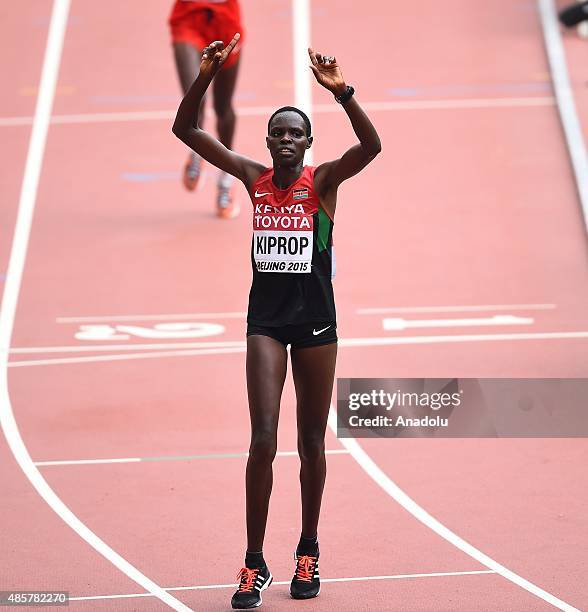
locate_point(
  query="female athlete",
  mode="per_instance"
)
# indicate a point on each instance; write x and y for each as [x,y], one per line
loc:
[290,302]
[193,23]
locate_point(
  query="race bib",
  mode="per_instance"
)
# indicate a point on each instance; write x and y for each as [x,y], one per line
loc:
[282,239]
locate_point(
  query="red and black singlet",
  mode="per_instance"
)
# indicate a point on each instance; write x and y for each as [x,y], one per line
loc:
[291,254]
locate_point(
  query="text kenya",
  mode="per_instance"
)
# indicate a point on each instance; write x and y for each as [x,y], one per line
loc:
[294,209]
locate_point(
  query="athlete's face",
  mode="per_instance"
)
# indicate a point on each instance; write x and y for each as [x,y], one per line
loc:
[287,139]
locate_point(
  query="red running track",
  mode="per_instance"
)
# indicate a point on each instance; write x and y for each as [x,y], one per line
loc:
[472,204]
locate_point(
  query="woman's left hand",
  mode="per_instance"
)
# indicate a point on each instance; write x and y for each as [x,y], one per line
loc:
[215,55]
[327,72]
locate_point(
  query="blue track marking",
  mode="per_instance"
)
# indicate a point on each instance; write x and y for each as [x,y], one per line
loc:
[149,177]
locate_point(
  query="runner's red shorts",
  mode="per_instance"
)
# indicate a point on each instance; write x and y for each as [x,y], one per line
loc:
[201,22]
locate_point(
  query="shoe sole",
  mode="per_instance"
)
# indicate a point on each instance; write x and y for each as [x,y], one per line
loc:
[190,184]
[194,184]
[233,214]
[305,596]
[263,588]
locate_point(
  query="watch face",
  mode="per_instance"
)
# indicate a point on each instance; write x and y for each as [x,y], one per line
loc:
[346,94]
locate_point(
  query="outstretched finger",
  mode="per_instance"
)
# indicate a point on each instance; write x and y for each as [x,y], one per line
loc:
[233,42]
[312,55]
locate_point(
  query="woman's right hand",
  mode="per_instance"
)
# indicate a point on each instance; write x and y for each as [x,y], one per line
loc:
[215,55]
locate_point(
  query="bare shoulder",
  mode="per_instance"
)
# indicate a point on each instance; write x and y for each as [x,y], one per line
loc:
[252,170]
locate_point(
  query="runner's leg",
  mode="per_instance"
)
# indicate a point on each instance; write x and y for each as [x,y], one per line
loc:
[187,58]
[223,90]
[266,371]
[313,371]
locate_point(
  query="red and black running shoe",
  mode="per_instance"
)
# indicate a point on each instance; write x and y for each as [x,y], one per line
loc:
[252,581]
[306,583]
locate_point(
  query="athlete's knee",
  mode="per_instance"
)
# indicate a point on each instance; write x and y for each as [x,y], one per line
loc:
[224,109]
[311,448]
[264,446]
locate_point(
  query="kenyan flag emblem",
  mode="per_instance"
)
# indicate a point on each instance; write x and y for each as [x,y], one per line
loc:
[300,194]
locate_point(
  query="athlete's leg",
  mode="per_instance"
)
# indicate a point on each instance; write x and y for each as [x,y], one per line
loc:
[223,89]
[187,58]
[313,370]
[266,371]
[267,361]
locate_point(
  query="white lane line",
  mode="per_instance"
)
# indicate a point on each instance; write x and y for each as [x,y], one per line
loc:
[266,111]
[81,118]
[335,451]
[390,487]
[403,576]
[127,357]
[398,324]
[565,100]
[89,348]
[387,341]
[88,461]
[455,104]
[302,74]
[475,308]
[26,207]
[154,317]
[287,582]
[239,347]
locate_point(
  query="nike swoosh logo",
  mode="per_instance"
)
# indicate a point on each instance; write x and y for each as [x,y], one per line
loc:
[258,195]
[320,331]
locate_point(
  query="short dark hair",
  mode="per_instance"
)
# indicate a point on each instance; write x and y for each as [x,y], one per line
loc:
[292,109]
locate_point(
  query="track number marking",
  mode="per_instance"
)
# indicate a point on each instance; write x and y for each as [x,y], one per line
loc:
[159,331]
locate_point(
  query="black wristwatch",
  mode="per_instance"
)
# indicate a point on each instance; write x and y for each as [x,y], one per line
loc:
[346,95]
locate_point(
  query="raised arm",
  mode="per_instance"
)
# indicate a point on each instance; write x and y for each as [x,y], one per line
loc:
[331,174]
[186,129]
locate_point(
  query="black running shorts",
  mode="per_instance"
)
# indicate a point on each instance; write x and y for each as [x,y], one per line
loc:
[299,336]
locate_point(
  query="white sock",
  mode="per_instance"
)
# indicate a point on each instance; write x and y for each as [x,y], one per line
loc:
[224,180]
[196,159]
